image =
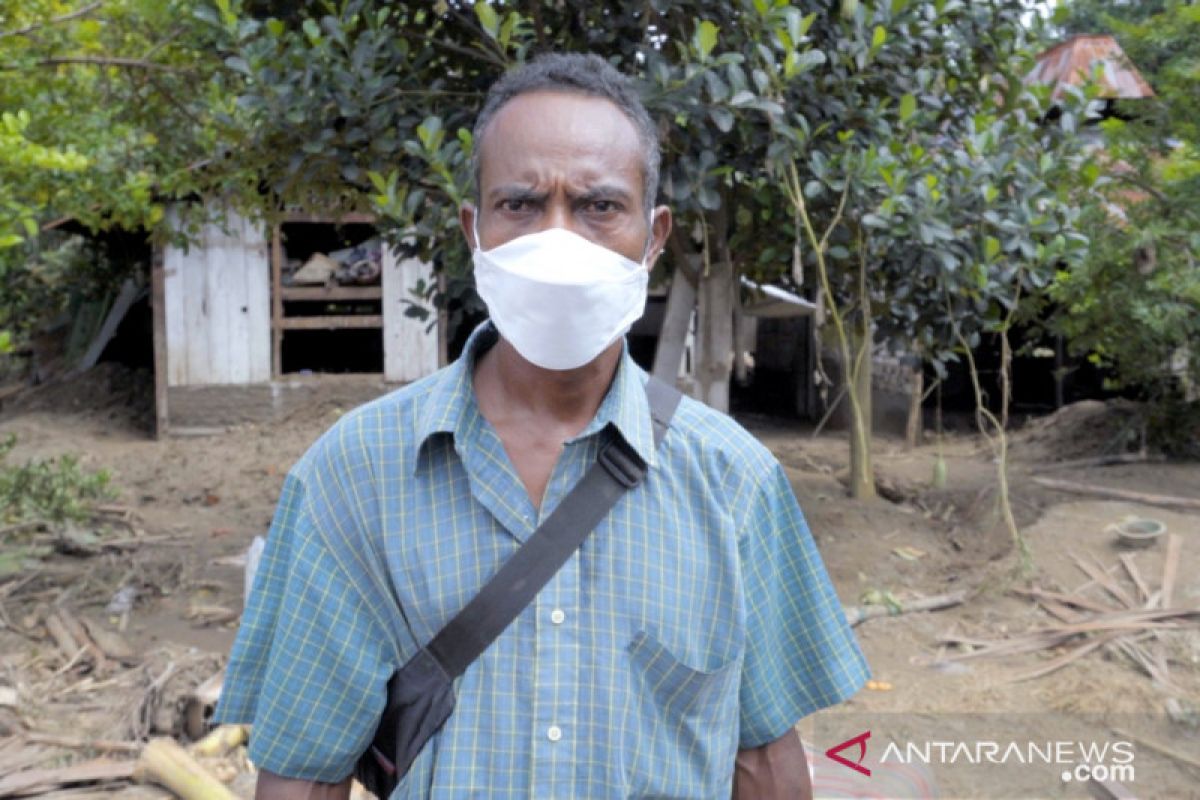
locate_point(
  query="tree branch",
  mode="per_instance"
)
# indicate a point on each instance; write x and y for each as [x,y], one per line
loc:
[110,61]
[54,21]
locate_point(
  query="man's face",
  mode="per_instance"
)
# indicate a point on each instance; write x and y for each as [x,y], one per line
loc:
[564,160]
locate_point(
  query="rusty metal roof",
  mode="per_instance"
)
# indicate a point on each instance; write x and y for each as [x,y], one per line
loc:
[1071,63]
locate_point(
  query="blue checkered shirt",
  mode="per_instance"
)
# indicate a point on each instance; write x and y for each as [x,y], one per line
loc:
[696,619]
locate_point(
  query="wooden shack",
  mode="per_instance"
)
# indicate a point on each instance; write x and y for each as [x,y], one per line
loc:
[238,339]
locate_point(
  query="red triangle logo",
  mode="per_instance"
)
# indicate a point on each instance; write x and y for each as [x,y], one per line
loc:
[860,740]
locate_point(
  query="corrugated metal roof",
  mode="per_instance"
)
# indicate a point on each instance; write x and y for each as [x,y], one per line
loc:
[1071,63]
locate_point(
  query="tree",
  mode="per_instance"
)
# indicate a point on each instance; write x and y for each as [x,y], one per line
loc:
[108,107]
[898,130]
[1134,304]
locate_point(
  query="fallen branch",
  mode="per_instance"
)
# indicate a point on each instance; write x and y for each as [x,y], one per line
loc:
[101,770]
[858,614]
[73,743]
[1135,576]
[1166,500]
[1066,659]
[1170,567]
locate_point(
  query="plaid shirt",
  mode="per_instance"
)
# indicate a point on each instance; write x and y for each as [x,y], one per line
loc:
[696,619]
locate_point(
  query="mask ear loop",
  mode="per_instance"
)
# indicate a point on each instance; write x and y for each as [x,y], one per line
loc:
[649,237]
[475,228]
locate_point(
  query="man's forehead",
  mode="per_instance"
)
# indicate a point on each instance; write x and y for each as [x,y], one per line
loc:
[590,133]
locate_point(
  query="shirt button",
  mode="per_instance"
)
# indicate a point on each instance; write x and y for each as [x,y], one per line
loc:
[554,733]
[557,616]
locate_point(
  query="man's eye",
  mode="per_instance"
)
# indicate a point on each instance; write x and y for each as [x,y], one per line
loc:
[515,206]
[602,206]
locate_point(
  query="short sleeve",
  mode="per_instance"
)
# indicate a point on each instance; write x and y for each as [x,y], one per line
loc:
[311,661]
[801,655]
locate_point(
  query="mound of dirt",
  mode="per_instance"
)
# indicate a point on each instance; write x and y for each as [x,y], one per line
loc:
[108,391]
[1085,429]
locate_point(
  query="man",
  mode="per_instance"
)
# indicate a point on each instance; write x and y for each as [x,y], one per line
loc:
[692,630]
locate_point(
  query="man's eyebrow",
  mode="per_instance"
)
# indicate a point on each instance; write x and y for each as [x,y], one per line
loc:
[516,192]
[604,191]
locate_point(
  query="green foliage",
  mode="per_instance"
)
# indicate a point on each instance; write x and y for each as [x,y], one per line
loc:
[1134,304]
[108,110]
[105,106]
[51,490]
[48,276]
[914,112]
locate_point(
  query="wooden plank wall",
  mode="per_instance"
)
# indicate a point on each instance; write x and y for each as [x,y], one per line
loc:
[218,307]
[410,345]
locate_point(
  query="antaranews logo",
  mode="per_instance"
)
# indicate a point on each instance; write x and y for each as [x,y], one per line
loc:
[1079,760]
[860,740]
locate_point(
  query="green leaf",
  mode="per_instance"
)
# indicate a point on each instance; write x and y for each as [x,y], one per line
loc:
[311,30]
[878,37]
[742,98]
[488,19]
[991,248]
[908,106]
[705,38]
[723,118]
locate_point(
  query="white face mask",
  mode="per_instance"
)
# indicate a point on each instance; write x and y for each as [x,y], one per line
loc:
[559,299]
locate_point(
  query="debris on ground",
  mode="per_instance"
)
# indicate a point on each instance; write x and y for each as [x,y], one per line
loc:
[1134,625]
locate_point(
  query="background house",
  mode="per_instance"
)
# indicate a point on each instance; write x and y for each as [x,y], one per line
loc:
[250,320]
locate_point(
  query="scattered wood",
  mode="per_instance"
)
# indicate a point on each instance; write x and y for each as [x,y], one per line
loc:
[858,614]
[204,615]
[38,781]
[1170,568]
[167,764]
[1085,625]
[62,637]
[1063,660]
[1104,580]
[76,629]
[1135,576]
[75,743]
[1165,500]
[111,643]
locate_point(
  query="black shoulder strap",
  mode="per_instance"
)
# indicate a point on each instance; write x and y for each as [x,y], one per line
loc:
[618,468]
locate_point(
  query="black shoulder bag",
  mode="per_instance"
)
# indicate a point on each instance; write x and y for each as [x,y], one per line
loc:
[421,693]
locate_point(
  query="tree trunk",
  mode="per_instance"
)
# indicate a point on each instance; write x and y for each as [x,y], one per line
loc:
[714,334]
[858,384]
[672,337]
[916,388]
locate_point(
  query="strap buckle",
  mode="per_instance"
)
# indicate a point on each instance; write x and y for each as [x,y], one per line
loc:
[621,462]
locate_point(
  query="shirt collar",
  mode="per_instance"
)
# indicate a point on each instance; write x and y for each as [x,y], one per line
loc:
[451,407]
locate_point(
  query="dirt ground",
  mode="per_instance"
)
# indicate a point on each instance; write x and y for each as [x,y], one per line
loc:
[187,508]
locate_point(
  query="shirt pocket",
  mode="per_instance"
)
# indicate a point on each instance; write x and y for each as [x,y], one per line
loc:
[683,727]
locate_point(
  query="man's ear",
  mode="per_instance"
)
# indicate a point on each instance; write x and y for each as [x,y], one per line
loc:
[466,222]
[660,230]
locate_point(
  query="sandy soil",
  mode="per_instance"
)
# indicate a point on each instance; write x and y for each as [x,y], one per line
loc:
[199,501]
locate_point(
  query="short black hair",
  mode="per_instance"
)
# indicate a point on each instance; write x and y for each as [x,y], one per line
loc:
[583,73]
